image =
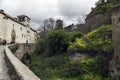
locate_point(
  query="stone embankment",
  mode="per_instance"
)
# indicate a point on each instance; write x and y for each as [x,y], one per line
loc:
[17,70]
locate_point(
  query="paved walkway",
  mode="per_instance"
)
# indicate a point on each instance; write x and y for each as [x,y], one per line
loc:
[3,68]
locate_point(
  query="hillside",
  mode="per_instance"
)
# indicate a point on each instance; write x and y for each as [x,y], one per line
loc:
[99,39]
[100,15]
[62,67]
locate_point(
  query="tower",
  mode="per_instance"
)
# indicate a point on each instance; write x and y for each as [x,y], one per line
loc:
[59,24]
[24,20]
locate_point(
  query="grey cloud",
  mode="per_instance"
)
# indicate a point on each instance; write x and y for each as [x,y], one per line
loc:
[75,8]
[38,10]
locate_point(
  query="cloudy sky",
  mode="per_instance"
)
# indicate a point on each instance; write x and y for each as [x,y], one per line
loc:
[38,10]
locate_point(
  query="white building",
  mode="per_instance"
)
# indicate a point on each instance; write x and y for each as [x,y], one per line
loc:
[16,29]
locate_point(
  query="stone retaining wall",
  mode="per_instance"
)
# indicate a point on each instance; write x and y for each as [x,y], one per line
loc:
[17,70]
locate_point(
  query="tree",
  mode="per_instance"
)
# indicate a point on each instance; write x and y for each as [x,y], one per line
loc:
[48,24]
[57,42]
[40,46]
[81,18]
[76,35]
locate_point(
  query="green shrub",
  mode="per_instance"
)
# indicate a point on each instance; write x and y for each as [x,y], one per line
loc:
[76,35]
[38,67]
[47,67]
[14,48]
[60,67]
[95,40]
[41,46]
[55,62]
[72,70]
[91,77]
[57,42]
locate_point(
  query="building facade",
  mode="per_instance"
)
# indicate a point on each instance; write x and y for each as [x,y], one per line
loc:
[16,29]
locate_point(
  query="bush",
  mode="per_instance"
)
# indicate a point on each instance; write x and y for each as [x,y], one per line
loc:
[55,62]
[91,77]
[60,67]
[14,48]
[72,70]
[38,67]
[46,67]
[95,40]
[75,36]
[40,46]
[57,42]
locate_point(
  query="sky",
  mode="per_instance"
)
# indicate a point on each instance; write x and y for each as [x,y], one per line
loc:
[39,10]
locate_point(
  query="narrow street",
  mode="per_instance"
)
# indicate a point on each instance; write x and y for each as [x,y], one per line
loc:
[3,68]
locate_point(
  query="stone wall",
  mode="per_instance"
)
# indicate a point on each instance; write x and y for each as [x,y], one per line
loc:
[115,62]
[17,70]
[24,49]
[96,21]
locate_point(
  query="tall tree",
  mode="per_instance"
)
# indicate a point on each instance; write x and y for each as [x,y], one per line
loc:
[48,24]
[81,18]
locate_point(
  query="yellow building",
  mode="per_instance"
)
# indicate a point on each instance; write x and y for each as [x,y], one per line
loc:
[16,29]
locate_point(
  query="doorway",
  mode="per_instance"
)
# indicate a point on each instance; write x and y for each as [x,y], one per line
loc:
[13,36]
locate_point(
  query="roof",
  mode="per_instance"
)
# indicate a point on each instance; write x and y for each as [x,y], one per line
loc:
[23,16]
[10,17]
[33,30]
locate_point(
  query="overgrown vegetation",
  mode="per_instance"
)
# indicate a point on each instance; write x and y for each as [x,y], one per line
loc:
[104,8]
[98,40]
[59,37]
[14,48]
[51,59]
[41,46]
[60,67]
[76,35]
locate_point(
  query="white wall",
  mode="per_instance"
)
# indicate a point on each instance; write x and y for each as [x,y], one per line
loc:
[1,19]
[6,27]
[20,34]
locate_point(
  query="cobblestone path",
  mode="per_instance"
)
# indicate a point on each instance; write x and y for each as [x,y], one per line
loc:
[3,68]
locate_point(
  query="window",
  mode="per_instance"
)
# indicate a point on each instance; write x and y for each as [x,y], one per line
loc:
[13,26]
[22,19]
[20,28]
[22,35]
[28,31]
